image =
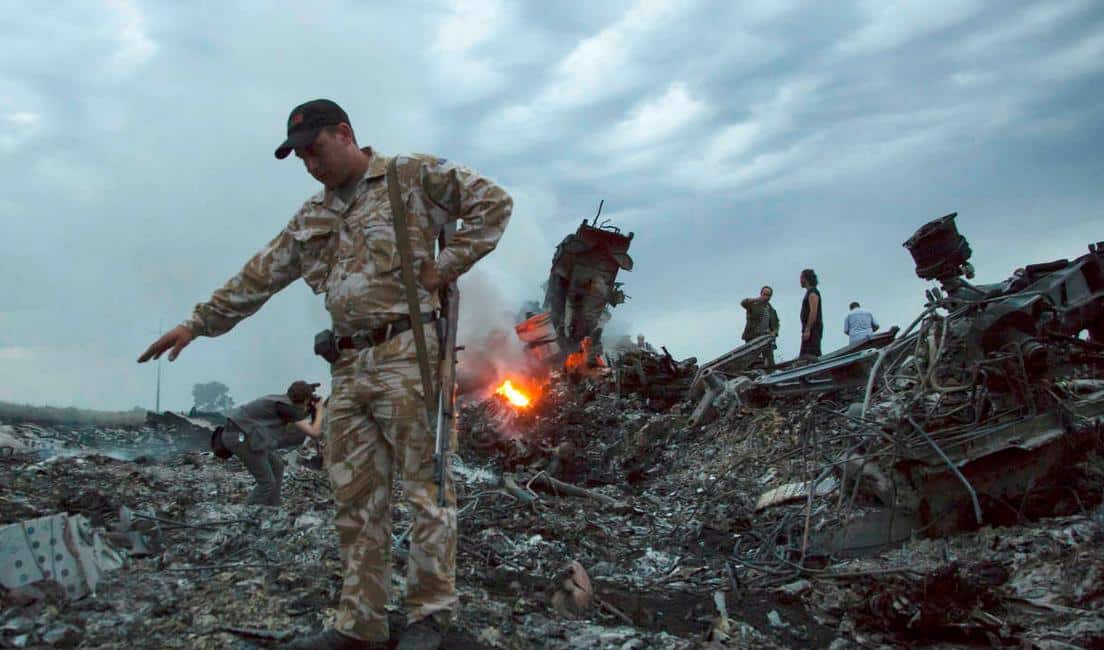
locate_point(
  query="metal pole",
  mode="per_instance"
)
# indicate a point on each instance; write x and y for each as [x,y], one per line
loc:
[160,332]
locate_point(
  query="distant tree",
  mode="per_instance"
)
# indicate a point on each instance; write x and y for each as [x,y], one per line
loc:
[212,397]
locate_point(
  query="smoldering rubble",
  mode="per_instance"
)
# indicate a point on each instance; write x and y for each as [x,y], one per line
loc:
[939,484]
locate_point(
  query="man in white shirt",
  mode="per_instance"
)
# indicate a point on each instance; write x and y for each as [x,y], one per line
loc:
[859,324]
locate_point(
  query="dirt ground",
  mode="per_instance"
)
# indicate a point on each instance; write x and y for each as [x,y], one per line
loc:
[669,537]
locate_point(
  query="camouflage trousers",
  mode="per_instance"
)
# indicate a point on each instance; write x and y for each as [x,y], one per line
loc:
[377,423]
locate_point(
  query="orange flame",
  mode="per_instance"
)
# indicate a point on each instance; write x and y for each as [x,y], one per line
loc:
[513,395]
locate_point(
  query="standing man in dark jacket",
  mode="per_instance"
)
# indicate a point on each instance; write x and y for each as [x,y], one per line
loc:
[762,320]
[812,317]
[254,431]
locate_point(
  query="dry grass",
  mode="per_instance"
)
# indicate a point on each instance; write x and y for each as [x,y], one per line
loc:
[18,413]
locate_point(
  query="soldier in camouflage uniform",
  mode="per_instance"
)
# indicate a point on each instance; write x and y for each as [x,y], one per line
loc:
[342,243]
[762,320]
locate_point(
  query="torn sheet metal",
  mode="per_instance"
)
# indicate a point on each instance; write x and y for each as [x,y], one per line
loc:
[833,373]
[731,363]
[874,342]
[582,283]
[1014,470]
[538,333]
[794,491]
[719,396]
[190,432]
[62,548]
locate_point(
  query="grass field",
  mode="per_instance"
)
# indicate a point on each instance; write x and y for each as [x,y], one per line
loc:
[18,413]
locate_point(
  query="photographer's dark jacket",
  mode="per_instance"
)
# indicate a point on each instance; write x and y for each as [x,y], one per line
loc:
[264,422]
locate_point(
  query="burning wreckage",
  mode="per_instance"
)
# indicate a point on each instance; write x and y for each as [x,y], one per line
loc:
[984,413]
[939,484]
[582,287]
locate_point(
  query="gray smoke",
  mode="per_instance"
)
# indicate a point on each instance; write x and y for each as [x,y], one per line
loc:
[492,351]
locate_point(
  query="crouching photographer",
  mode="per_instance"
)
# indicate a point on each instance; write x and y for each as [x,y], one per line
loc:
[254,432]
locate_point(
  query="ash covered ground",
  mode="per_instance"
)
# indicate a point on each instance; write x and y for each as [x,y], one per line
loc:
[589,520]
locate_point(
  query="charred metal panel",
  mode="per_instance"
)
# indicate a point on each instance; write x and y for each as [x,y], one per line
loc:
[582,283]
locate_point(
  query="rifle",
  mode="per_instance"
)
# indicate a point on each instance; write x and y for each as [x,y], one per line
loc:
[450,304]
[446,395]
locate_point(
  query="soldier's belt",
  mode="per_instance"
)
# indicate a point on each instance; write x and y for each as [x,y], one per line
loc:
[379,335]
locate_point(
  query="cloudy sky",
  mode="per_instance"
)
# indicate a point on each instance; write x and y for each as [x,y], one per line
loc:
[740,141]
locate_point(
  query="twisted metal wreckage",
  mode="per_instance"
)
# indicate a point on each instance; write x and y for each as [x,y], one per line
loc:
[582,287]
[971,416]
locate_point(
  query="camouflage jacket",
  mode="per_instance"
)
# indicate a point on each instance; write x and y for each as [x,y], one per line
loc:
[348,251]
[761,319]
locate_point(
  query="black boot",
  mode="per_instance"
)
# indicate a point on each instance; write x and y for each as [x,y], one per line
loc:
[425,634]
[331,639]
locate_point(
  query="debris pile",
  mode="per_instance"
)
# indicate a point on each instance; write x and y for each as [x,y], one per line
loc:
[939,484]
[656,377]
[988,405]
[163,435]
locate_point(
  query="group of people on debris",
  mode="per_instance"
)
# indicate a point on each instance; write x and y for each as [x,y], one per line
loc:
[762,320]
[360,242]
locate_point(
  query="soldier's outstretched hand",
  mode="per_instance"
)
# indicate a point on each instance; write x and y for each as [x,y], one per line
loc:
[176,339]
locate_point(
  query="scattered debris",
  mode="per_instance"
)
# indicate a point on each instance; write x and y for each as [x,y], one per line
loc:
[573,595]
[794,491]
[60,548]
[938,484]
[192,431]
[658,378]
[980,413]
[9,444]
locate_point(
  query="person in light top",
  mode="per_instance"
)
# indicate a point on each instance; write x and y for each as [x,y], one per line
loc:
[859,324]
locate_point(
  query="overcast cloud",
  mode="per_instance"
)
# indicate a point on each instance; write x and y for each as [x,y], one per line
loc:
[740,141]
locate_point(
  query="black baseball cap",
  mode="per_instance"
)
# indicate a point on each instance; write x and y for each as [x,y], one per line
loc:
[307,120]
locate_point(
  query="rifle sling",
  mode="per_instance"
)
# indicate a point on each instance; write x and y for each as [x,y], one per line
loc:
[406,257]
